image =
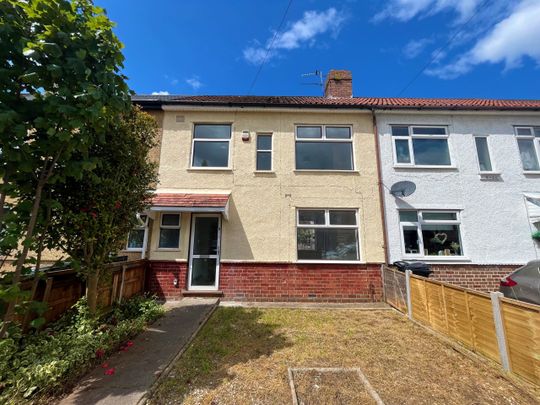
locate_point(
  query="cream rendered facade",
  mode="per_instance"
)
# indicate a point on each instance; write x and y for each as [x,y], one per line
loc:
[261,222]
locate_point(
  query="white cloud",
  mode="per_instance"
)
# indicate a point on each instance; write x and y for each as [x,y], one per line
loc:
[298,33]
[405,10]
[415,47]
[160,93]
[194,82]
[512,40]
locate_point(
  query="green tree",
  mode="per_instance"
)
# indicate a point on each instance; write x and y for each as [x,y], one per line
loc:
[96,213]
[60,87]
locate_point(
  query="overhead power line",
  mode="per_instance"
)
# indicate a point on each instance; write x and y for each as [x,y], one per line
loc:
[269,47]
[439,51]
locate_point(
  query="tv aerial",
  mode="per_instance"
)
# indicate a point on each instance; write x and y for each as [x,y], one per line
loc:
[403,188]
[317,74]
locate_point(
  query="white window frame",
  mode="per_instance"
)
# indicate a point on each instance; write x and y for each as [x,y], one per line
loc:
[193,140]
[536,144]
[144,227]
[161,226]
[421,221]
[325,139]
[328,225]
[271,151]
[409,138]
[488,143]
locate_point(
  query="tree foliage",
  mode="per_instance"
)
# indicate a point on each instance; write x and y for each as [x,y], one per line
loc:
[61,86]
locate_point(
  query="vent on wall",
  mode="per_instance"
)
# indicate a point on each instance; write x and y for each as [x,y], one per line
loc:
[180,118]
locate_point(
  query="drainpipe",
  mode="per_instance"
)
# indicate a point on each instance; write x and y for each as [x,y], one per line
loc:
[381,185]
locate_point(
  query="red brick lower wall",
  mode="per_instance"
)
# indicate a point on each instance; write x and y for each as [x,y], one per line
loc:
[477,277]
[277,281]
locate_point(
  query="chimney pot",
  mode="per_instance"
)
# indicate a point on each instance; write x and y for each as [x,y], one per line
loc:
[338,84]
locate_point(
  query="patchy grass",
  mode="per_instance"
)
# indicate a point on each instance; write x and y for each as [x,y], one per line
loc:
[242,355]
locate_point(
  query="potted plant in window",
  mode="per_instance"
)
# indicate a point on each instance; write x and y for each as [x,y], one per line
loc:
[455,247]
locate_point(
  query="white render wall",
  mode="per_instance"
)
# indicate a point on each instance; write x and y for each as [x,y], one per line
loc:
[495,227]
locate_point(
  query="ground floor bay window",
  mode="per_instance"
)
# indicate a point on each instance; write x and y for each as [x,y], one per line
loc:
[325,234]
[430,233]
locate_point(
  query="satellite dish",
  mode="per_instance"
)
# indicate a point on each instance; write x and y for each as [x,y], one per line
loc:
[403,189]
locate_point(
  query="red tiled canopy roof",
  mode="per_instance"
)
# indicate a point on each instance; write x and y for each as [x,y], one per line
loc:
[190,200]
[354,102]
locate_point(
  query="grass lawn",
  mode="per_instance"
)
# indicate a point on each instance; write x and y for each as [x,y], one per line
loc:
[242,356]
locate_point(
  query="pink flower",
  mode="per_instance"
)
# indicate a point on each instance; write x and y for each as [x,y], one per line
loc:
[100,353]
[129,343]
[105,365]
[109,371]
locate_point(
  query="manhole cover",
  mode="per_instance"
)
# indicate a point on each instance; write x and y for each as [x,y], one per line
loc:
[344,386]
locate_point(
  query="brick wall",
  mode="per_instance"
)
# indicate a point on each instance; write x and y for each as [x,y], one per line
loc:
[160,278]
[477,277]
[277,282]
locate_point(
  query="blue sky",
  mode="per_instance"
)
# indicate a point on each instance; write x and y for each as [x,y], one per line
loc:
[479,48]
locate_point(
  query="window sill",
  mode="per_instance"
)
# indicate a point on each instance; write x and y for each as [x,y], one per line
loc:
[330,262]
[167,250]
[316,171]
[531,172]
[436,259]
[210,169]
[425,167]
[264,172]
[489,173]
[132,250]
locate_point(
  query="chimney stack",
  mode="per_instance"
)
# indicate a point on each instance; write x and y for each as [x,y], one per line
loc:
[338,84]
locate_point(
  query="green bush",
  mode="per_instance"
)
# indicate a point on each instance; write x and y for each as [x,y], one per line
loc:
[40,363]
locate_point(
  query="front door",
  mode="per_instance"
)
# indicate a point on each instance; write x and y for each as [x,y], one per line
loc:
[204,252]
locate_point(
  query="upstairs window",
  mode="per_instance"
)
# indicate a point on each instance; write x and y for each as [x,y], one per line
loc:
[136,235]
[321,147]
[430,233]
[327,235]
[420,146]
[528,139]
[169,231]
[264,152]
[211,143]
[482,152]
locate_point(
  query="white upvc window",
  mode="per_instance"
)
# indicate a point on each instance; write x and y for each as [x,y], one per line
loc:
[137,236]
[528,139]
[324,147]
[327,235]
[483,154]
[210,147]
[428,233]
[420,146]
[169,231]
[264,152]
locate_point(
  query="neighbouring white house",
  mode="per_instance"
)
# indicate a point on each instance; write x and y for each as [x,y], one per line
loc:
[477,199]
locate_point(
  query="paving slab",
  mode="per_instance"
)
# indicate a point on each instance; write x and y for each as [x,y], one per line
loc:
[138,368]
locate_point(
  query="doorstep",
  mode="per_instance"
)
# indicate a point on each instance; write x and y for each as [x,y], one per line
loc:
[202,293]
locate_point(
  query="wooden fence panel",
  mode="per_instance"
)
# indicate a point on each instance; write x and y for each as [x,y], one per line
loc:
[458,316]
[419,301]
[484,335]
[436,306]
[133,281]
[522,330]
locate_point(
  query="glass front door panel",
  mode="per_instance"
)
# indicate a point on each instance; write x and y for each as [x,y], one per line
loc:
[205,241]
[203,272]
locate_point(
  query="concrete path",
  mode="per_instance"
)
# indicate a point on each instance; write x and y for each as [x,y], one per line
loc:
[137,368]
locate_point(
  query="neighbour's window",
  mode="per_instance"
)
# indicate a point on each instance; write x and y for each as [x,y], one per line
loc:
[482,152]
[430,233]
[264,152]
[420,146]
[136,235]
[327,235]
[528,139]
[169,231]
[321,147]
[211,144]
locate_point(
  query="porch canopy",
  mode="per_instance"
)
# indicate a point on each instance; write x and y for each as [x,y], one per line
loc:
[187,202]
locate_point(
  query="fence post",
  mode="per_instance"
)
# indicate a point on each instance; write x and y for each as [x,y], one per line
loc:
[499,328]
[383,283]
[122,283]
[408,290]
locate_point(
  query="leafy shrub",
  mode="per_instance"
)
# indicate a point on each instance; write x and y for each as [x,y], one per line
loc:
[40,363]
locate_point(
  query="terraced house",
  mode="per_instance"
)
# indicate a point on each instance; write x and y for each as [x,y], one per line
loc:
[287,198]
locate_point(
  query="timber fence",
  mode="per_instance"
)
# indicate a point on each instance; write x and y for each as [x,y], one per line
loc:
[61,289]
[502,329]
